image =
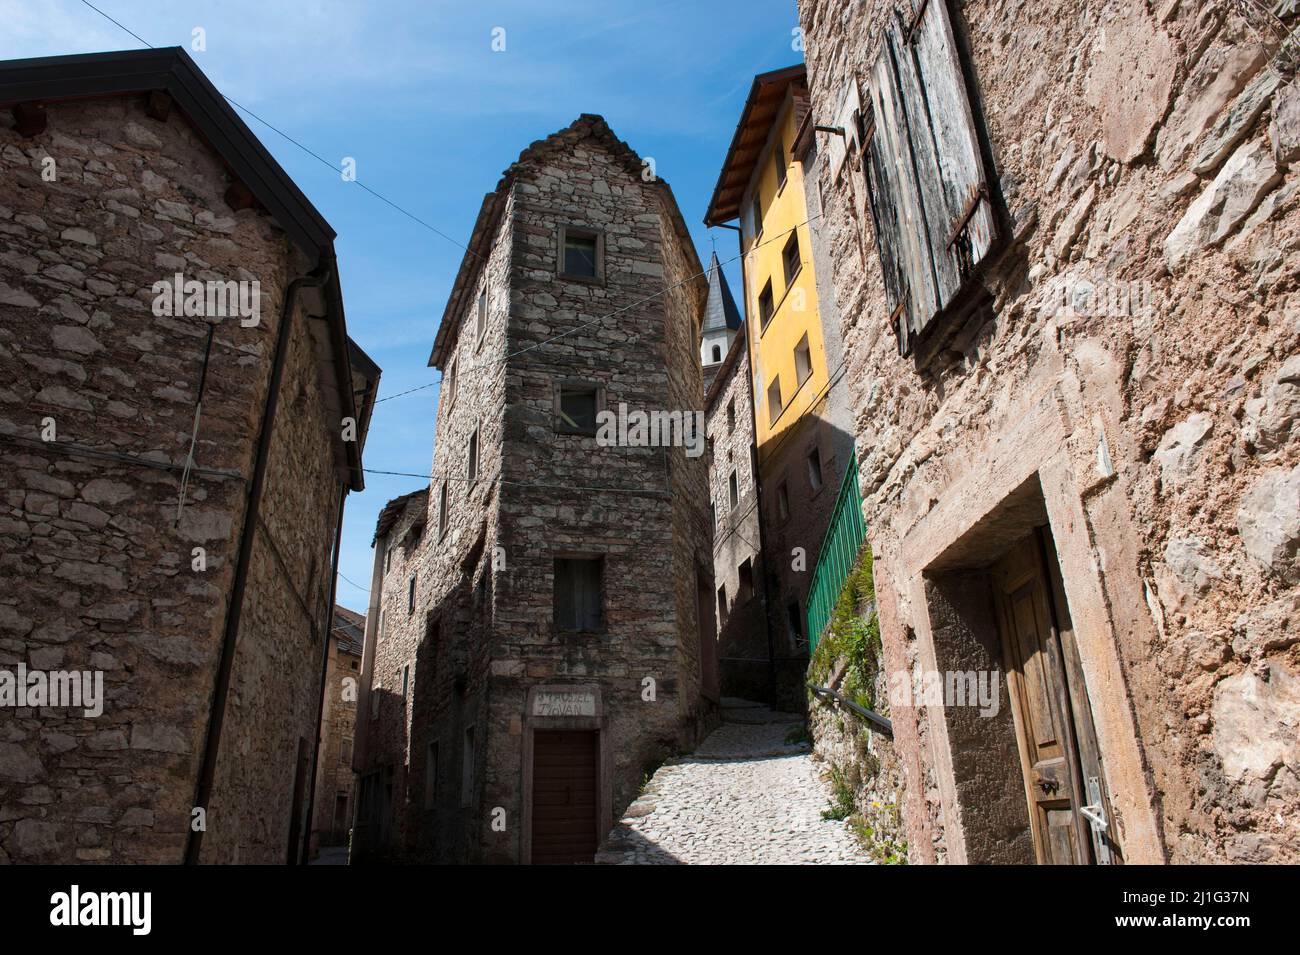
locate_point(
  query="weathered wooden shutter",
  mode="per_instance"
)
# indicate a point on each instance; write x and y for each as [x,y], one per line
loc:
[925,174]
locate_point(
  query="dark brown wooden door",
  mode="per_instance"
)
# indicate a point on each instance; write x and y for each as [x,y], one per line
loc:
[1049,723]
[565,766]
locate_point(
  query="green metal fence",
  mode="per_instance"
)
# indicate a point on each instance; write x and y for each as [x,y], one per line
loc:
[838,552]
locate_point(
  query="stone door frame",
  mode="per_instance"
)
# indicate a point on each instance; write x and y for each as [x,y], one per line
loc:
[1037,448]
[604,770]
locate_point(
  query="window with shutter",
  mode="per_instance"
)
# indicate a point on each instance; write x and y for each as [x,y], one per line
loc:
[578,594]
[925,174]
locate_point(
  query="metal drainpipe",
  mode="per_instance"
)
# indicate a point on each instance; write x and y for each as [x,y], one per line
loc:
[305,848]
[758,482]
[221,690]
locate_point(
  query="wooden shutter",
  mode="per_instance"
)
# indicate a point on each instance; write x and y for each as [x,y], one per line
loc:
[925,174]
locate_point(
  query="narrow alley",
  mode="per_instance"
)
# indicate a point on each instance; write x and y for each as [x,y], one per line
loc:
[746,796]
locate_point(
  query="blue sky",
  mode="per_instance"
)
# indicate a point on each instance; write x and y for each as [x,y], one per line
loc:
[415,93]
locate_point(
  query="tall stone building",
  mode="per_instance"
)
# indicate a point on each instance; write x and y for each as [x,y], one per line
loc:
[745,645]
[334,803]
[181,419]
[800,413]
[543,618]
[1066,260]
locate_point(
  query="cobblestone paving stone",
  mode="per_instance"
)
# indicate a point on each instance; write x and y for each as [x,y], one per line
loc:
[744,797]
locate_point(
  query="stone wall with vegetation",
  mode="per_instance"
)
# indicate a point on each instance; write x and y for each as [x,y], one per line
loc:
[865,779]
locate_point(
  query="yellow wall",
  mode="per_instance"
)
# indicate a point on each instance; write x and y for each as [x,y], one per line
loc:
[796,307]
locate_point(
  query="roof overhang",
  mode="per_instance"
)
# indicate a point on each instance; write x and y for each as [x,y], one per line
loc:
[766,96]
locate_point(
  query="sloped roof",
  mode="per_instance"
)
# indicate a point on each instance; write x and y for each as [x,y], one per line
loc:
[170,70]
[393,510]
[349,630]
[586,126]
[766,95]
[720,308]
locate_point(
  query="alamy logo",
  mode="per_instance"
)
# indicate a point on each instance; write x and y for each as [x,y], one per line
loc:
[82,689]
[210,299]
[653,429]
[75,907]
[948,688]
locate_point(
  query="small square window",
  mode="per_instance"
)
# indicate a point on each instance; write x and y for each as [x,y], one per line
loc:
[578,594]
[766,305]
[802,360]
[791,260]
[471,466]
[581,253]
[774,404]
[576,407]
[734,490]
[815,469]
[778,159]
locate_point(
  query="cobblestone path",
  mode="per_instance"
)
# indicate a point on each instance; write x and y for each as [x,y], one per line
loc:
[744,797]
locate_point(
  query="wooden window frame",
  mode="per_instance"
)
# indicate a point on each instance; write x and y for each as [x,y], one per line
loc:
[585,232]
[602,569]
[790,276]
[765,318]
[558,386]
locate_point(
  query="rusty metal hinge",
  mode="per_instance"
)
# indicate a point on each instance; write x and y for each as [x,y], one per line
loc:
[981,193]
[909,35]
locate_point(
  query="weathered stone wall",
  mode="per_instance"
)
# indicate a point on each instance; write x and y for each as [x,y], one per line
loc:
[742,635]
[97,576]
[334,776]
[489,581]
[1129,146]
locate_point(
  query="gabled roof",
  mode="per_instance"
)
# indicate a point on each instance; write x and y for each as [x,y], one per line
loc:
[720,308]
[349,630]
[393,510]
[587,126]
[171,71]
[761,107]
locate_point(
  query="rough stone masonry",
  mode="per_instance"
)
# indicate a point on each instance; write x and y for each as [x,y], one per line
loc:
[1131,366]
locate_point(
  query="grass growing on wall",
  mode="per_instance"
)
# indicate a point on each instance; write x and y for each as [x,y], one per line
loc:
[853,635]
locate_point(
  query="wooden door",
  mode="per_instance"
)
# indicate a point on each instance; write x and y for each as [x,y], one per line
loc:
[1051,715]
[565,777]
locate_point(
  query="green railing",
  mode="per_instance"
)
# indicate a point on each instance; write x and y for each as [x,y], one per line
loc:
[838,553]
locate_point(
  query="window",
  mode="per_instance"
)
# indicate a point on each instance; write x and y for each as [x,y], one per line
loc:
[577,403]
[431,776]
[722,603]
[731,415]
[791,260]
[936,225]
[802,360]
[471,466]
[795,621]
[778,158]
[467,769]
[733,486]
[410,595]
[406,680]
[480,317]
[717,354]
[746,589]
[442,510]
[765,306]
[782,501]
[578,594]
[582,253]
[388,559]
[756,208]
[774,400]
[450,380]
[345,751]
[713,516]
[815,469]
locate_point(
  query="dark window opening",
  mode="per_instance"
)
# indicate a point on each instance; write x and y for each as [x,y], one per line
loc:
[410,595]
[802,359]
[722,603]
[717,354]
[576,409]
[815,469]
[791,260]
[733,485]
[578,594]
[471,468]
[778,157]
[746,589]
[581,254]
[782,501]
[765,305]
[795,619]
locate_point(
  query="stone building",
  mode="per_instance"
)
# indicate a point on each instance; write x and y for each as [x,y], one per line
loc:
[1066,257]
[201,596]
[543,617]
[800,411]
[334,804]
[745,651]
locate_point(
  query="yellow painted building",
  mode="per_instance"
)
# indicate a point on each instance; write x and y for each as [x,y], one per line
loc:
[803,436]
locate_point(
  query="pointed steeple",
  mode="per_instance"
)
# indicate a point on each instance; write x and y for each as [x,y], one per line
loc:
[720,310]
